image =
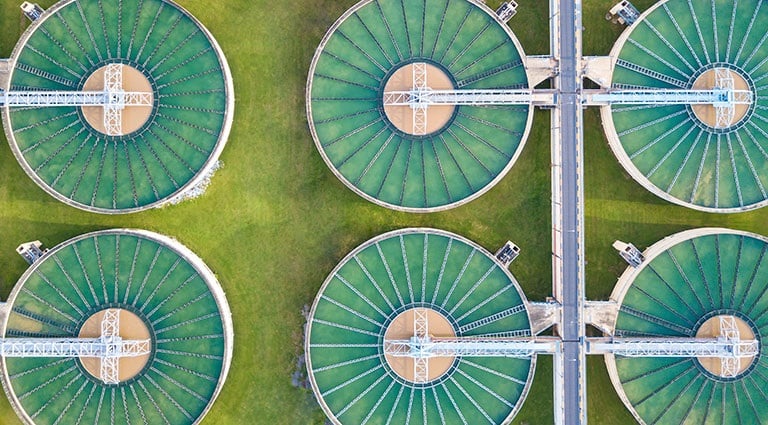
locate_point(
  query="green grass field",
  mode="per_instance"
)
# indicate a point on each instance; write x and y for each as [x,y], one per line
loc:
[275,220]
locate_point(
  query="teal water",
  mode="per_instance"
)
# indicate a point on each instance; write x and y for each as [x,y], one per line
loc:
[380,280]
[674,293]
[667,144]
[143,276]
[365,148]
[141,168]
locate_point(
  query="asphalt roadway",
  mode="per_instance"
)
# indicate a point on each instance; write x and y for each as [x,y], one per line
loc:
[569,109]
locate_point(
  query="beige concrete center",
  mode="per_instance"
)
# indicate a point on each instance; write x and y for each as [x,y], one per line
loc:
[402,329]
[706,113]
[131,328]
[711,329]
[133,117]
[402,116]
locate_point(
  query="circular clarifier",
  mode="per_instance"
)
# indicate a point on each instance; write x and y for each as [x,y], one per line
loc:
[164,295]
[425,283]
[703,283]
[710,156]
[444,155]
[128,157]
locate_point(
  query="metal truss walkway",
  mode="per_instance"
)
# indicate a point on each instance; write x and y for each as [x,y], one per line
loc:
[109,347]
[112,98]
[723,97]
[428,97]
[716,97]
[428,347]
[421,97]
[422,346]
[70,98]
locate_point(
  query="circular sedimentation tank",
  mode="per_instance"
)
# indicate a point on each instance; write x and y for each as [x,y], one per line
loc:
[374,148]
[375,292]
[162,292]
[687,282]
[164,149]
[682,153]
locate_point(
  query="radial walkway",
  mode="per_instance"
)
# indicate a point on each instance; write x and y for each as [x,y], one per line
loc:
[108,348]
[113,99]
[73,98]
[427,97]
[671,97]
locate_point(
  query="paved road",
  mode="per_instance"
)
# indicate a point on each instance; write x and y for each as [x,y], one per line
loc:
[570,111]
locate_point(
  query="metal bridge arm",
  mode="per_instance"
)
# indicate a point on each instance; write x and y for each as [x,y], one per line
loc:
[74,98]
[674,347]
[716,97]
[426,97]
[468,347]
[73,347]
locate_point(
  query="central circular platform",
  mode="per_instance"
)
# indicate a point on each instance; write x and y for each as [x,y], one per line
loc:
[132,117]
[711,329]
[402,116]
[131,328]
[707,113]
[402,328]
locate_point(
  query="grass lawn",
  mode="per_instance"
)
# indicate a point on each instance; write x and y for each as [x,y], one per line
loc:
[275,220]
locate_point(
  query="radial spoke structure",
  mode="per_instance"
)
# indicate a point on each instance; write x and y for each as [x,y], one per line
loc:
[704,283]
[102,370]
[117,106]
[417,291]
[414,155]
[707,154]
